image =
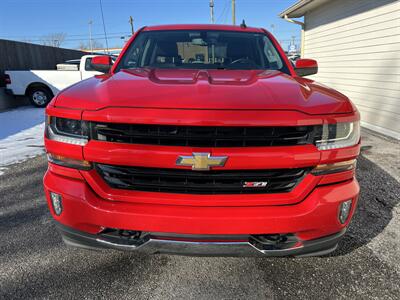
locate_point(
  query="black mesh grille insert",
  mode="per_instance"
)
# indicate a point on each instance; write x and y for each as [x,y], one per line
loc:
[195,182]
[203,136]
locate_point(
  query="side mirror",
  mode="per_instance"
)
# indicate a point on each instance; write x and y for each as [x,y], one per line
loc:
[304,67]
[101,63]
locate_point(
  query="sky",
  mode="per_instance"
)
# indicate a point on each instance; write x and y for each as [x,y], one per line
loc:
[30,20]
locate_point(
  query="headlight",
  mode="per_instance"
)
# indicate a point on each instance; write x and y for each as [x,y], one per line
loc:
[68,131]
[338,135]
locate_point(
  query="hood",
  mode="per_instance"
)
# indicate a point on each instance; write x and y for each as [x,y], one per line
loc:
[204,89]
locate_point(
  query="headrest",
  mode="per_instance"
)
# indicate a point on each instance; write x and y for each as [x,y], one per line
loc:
[167,49]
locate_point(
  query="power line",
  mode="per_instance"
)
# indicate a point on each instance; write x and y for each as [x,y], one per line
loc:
[233,12]
[104,25]
[80,39]
[119,37]
[223,11]
[70,35]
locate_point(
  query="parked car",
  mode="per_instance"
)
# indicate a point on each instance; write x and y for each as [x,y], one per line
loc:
[236,154]
[41,85]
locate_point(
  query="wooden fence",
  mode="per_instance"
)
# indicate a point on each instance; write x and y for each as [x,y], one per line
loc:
[25,56]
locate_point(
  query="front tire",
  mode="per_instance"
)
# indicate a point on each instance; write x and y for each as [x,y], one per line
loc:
[40,96]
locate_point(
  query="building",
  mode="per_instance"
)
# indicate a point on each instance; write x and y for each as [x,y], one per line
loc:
[109,51]
[357,46]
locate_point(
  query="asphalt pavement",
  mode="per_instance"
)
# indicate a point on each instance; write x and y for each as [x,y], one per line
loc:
[34,263]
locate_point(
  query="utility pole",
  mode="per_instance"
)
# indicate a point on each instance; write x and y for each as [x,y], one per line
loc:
[273,29]
[233,12]
[212,11]
[292,46]
[90,36]
[131,22]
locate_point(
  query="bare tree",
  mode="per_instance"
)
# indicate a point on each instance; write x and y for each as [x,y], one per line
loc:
[86,45]
[54,39]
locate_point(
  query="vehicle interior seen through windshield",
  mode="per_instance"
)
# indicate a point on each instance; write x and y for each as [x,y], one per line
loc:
[201,49]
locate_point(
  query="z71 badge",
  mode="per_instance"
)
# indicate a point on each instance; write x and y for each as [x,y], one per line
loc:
[255,184]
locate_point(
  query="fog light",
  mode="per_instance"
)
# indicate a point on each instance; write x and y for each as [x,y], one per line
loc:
[56,201]
[344,213]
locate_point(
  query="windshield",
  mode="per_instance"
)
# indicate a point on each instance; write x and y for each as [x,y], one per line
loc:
[202,49]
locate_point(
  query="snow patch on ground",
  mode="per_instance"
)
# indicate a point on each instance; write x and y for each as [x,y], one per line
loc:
[20,119]
[21,135]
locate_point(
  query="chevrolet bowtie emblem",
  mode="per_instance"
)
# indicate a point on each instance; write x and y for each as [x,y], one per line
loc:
[201,161]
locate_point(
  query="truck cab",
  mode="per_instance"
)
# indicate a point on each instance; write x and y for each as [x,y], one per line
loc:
[40,86]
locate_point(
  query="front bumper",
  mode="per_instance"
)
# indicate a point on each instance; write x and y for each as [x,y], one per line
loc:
[313,221]
[198,246]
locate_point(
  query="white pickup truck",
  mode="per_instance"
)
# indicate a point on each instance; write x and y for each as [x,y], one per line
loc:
[41,85]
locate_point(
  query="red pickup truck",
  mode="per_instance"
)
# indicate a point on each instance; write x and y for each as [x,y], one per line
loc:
[202,140]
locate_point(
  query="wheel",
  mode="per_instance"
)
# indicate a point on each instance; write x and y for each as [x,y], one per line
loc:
[40,96]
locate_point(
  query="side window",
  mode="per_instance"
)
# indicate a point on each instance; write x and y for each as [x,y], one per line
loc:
[133,58]
[88,64]
[272,55]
